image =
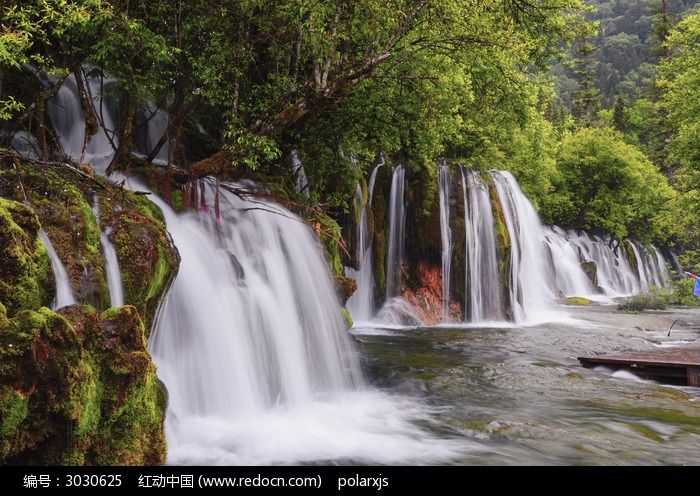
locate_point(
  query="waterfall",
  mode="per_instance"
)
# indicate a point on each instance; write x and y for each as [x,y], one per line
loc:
[641,272]
[302,182]
[67,117]
[361,303]
[109,254]
[569,279]
[373,180]
[112,272]
[151,124]
[253,303]
[529,295]
[252,346]
[444,179]
[64,292]
[616,276]
[397,223]
[482,293]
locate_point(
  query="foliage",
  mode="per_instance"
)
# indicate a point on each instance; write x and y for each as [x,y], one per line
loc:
[682,293]
[611,185]
[654,299]
[680,80]
[90,395]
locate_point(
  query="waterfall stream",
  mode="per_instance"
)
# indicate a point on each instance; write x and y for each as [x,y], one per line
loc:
[530,296]
[397,223]
[444,179]
[361,303]
[64,292]
[112,273]
[67,118]
[252,346]
[250,339]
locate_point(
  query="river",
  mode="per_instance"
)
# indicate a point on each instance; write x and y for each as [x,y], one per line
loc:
[518,396]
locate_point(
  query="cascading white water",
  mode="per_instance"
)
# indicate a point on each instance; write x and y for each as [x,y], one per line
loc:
[252,347]
[361,303]
[664,276]
[252,303]
[302,182]
[616,277]
[66,115]
[397,223]
[373,180]
[641,272]
[109,254]
[569,279]
[529,294]
[651,266]
[482,290]
[112,272]
[64,291]
[152,123]
[444,180]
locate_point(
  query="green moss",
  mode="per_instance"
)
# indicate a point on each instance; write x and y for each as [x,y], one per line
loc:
[25,277]
[79,389]
[578,300]
[671,417]
[66,216]
[378,227]
[3,315]
[645,431]
[176,201]
[503,247]
[14,409]
[160,275]
[347,317]
[147,258]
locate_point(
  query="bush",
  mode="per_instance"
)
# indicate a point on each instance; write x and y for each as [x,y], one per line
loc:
[655,299]
[682,293]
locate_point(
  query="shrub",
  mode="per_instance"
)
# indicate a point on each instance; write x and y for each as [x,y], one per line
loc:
[654,299]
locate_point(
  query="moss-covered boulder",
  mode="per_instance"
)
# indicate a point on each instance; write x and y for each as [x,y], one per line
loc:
[63,201]
[60,201]
[148,259]
[579,301]
[25,272]
[590,268]
[503,248]
[79,388]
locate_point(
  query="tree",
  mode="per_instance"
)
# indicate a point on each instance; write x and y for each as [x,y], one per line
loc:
[586,99]
[620,115]
[613,186]
[680,85]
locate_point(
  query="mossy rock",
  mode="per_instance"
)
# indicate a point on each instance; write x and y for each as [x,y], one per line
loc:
[590,268]
[59,201]
[503,247]
[148,259]
[26,280]
[578,301]
[79,388]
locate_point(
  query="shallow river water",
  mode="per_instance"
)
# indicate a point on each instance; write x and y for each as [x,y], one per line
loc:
[517,395]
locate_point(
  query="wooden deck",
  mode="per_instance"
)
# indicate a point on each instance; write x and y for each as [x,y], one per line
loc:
[673,366]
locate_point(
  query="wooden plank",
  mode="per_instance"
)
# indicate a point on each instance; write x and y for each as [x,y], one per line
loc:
[675,366]
[684,358]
